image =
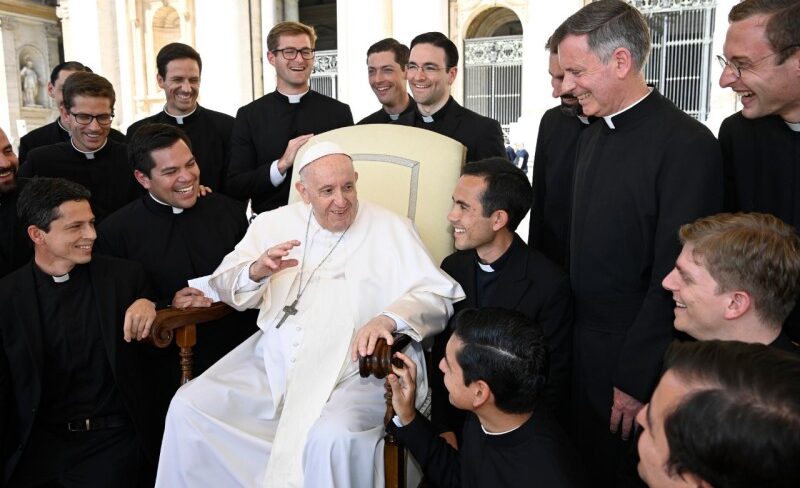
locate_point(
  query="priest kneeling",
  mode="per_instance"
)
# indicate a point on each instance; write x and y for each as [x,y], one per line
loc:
[287,407]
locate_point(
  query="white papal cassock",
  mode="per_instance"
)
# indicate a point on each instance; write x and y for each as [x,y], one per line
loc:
[287,408]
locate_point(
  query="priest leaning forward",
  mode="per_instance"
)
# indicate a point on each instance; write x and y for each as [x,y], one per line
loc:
[286,408]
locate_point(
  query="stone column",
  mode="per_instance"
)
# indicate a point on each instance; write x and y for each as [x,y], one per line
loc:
[9,105]
[354,36]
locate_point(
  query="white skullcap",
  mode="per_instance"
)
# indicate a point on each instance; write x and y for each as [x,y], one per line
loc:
[316,151]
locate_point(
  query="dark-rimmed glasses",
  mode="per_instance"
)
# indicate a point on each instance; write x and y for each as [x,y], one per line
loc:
[736,68]
[289,53]
[86,119]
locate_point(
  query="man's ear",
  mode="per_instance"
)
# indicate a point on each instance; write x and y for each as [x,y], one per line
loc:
[51,89]
[271,57]
[64,115]
[739,303]
[499,219]
[36,234]
[160,81]
[302,190]
[622,61]
[142,178]
[481,394]
[451,75]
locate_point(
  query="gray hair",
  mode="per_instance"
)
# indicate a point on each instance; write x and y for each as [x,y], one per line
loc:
[611,24]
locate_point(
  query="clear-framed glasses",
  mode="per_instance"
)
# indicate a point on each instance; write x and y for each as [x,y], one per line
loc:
[86,119]
[428,69]
[289,53]
[737,68]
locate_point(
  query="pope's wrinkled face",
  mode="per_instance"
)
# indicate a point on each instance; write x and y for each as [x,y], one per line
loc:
[181,85]
[329,185]
[9,164]
[764,87]
[175,177]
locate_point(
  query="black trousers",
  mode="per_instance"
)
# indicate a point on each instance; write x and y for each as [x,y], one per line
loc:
[56,458]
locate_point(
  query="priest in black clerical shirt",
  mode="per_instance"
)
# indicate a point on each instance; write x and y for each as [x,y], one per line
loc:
[15,249]
[179,69]
[496,268]
[495,367]
[58,130]
[432,69]
[74,410]
[553,165]
[178,235]
[268,132]
[90,158]
[386,71]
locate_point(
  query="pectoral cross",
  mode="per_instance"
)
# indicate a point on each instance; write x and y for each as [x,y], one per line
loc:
[290,309]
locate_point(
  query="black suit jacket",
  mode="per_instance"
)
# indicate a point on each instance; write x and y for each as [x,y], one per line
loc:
[528,283]
[116,284]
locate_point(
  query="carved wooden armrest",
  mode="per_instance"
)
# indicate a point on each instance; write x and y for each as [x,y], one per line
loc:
[181,324]
[379,364]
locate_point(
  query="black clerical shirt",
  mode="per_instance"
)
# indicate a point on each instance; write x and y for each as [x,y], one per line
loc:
[486,276]
[106,173]
[406,117]
[77,382]
[210,134]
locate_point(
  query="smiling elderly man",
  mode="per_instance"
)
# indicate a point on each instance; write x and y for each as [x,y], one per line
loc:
[640,173]
[330,275]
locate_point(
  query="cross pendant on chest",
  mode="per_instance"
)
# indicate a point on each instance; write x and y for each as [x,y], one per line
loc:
[290,309]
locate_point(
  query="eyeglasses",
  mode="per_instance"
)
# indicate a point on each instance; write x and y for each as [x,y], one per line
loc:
[86,119]
[289,53]
[737,68]
[428,69]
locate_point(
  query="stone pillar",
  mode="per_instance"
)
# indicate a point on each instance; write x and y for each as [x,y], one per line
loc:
[9,105]
[291,10]
[224,42]
[412,17]
[271,14]
[354,36]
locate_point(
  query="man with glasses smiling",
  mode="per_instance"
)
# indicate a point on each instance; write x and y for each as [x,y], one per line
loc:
[432,68]
[761,143]
[90,158]
[268,132]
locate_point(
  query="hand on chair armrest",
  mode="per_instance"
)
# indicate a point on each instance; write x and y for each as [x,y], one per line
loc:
[170,319]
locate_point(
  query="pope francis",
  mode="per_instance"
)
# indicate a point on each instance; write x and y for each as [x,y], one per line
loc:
[330,276]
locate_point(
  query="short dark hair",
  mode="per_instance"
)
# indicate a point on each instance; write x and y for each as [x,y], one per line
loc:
[740,424]
[68,66]
[783,26]
[173,51]
[507,188]
[397,48]
[439,40]
[611,24]
[149,138]
[507,350]
[87,85]
[39,200]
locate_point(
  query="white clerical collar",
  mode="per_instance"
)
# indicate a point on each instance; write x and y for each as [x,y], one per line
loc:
[393,116]
[500,433]
[175,210]
[486,267]
[89,154]
[179,118]
[794,126]
[584,119]
[608,118]
[294,98]
[62,278]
